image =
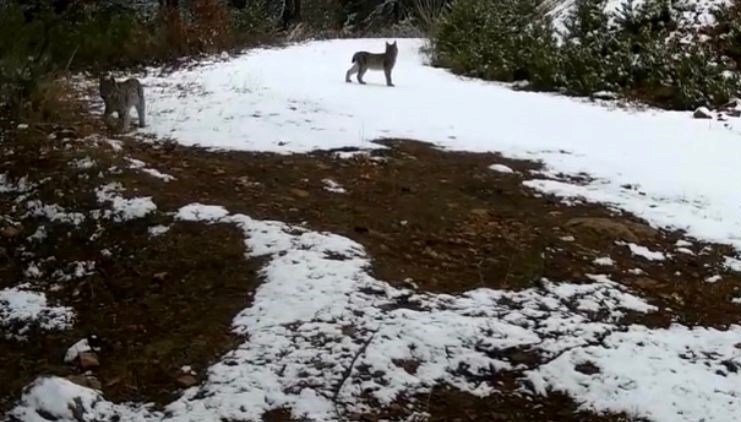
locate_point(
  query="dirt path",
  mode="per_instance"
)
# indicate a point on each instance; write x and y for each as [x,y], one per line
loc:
[441,221]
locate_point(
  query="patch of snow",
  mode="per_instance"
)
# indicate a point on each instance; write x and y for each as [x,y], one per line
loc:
[158,230]
[54,213]
[685,251]
[74,270]
[501,168]
[643,252]
[74,351]
[22,309]
[731,263]
[39,235]
[142,166]
[713,279]
[681,243]
[33,271]
[332,186]
[605,261]
[200,212]
[636,271]
[123,209]
[22,126]
[19,186]
[567,238]
[83,163]
[682,366]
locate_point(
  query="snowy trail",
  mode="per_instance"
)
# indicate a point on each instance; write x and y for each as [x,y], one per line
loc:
[682,171]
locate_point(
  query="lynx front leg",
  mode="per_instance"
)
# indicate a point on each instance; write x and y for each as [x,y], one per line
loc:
[353,70]
[387,71]
[124,121]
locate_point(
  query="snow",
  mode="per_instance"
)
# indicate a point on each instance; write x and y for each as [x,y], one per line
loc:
[21,309]
[9,186]
[123,209]
[74,351]
[682,165]
[713,279]
[690,13]
[332,186]
[54,213]
[142,166]
[666,375]
[604,261]
[323,337]
[731,263]
[158,230]
[84,163]
[643,252]
[501,168]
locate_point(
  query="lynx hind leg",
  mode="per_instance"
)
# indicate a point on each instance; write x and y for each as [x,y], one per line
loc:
[140,110]
[387,72]
[361,72]
[353,70]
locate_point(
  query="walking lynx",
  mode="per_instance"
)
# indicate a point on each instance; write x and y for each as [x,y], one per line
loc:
[363,60]
[119,97]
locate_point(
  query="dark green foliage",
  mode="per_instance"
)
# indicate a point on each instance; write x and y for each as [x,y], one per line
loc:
[500,41]
[637,52]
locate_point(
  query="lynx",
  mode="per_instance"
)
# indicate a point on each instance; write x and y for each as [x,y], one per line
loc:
[119,97]
[363,60]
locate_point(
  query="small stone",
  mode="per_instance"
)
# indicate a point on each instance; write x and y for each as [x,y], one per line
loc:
[646,283]
[187,380]
[88,360]
[300,193]
[86,380]
[481,212]
[160,276]
[702,113]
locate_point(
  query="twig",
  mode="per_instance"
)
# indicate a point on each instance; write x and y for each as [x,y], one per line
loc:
[71,57]
[348,372]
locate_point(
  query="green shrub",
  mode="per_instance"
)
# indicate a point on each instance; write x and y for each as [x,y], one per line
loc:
[505,41]
[639,51]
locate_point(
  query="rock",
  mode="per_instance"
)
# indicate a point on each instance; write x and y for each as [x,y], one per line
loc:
[646,283]
[86,380]
[11,231]
[613,228]
[480,212]
[187,380]
[300,193]
[160,276]
[88,360]
[702,113]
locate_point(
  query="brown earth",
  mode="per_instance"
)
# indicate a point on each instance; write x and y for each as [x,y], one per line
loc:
[441,220]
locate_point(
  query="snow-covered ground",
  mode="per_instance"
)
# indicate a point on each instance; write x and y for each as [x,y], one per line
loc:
[673,170]
[324,337]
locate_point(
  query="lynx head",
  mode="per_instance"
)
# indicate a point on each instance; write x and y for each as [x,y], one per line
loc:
[106,85]
[391,48]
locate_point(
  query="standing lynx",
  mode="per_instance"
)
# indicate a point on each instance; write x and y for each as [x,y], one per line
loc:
[363,60]
[119,97]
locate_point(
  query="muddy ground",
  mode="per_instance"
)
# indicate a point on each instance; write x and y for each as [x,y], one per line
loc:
[440,220]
